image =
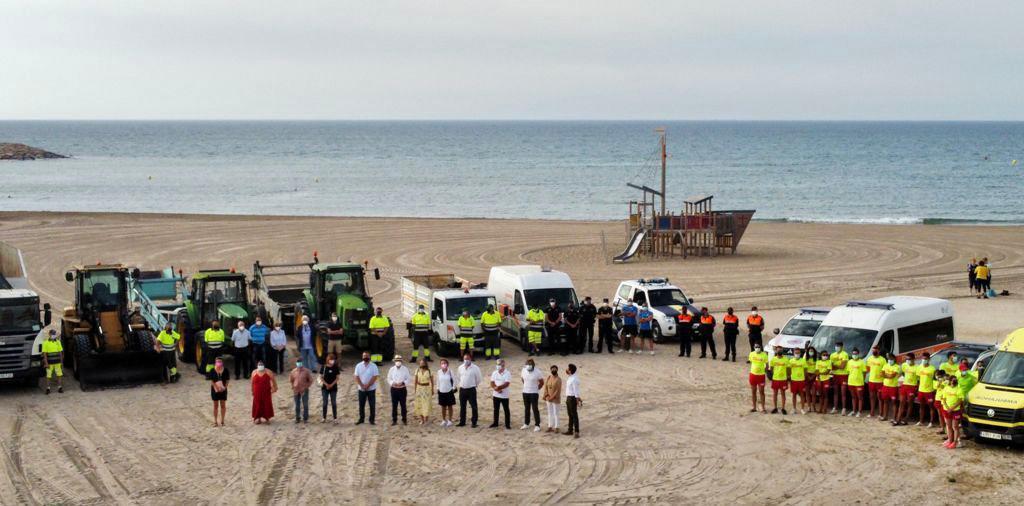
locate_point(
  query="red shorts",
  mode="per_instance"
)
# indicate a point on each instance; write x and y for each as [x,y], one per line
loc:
[952,415]
[821,386]
[779,384]
[856,390]
[908,391]
[756,379]
[925,398]
[874,387]
[839,379]
[888,393]
[797,386]
[938,405]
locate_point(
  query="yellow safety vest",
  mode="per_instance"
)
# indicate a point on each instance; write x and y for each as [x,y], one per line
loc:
[421,322]
[536,320]
[214,338]
[466,324]
[379,322]
[490,321]
[168,341]
[52,349]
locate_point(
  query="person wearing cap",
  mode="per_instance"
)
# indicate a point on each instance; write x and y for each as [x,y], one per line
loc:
[605,327]
[399,380]
[53,358]
[501,379]
[467,332]
[366,375]
[490,323]
[218,378]
[301,378]
[588,314]
[379,325]
[420,333]
[553,323]
[469,377]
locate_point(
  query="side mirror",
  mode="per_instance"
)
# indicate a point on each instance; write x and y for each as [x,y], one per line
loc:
[433,315]
[69,276]
[136,273]
[690,300]
[47,315]
[376,273]
[775,331]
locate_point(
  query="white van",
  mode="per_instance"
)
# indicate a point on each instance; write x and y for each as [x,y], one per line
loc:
[798,331]
[900,324]
[518,288]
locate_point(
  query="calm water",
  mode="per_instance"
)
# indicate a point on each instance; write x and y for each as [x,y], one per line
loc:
[817,171]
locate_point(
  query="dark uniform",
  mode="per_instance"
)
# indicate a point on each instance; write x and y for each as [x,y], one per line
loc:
[730,329]
[605,329]
[685,334]
[707,336]
[572,332]
[755,325]
[588,313]
[553,325]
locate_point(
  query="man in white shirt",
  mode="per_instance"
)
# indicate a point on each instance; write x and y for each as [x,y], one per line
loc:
[366,375]
[533,381]
[278,342]
[469,378]
[398,378]
[240,350]
[572,402]
[501,379]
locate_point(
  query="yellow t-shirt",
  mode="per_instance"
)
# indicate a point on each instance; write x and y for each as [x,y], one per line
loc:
[952,399]
[779,368]
[950,369]
[875,365]
[824,369]
[981,272]
[758,362]
[856,368]
[797,368]
[809,369]
[894,371]
[839,363]
[926,377]
[909,374]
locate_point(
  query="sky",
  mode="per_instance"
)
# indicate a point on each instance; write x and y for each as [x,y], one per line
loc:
[453,59]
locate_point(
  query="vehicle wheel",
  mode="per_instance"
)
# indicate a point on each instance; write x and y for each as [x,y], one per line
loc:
[439,347]
[184,329]
[302,308]
[656,333]
[80,356]
[321,345]
[199,350]
[68,343]
[387,348]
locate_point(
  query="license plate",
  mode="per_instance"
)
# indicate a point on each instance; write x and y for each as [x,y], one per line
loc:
[6,375]
[993,435]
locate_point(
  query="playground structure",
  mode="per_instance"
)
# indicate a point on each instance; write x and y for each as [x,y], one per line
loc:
[653,231]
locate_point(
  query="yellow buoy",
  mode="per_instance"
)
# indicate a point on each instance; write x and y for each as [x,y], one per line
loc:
[1014,163]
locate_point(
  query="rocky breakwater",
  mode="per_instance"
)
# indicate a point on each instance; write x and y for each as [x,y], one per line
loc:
[12,151]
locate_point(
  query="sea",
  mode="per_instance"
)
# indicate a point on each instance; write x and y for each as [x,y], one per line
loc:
[844,172]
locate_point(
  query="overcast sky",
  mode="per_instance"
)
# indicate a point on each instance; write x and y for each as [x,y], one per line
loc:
[374,59]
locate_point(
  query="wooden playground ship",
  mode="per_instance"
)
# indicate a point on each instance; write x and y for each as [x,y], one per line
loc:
[697,230]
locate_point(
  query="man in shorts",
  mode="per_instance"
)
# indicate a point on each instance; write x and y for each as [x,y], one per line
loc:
[780,379]
[875,363]
[889,391]
[907,390]
[629,327]
[925,389]
[758,359]
[839,359]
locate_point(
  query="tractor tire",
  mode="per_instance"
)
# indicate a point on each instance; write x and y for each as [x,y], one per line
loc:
[80,356]
[186,353]
[321,344]
[199,348]
[387,346]
[145,340]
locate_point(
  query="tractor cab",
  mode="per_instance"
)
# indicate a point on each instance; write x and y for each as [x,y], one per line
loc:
[219,295]
[101,305]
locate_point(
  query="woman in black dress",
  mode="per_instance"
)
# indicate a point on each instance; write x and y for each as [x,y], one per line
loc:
[218,377]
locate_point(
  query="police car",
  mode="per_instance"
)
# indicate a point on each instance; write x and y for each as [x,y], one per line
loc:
[798,331]
[666,302]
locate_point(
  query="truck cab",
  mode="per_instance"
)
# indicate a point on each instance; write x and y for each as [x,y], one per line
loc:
[21,334]
[446,308]
[995,406]
[666,302]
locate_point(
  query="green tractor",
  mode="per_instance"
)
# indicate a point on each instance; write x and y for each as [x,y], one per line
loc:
[331,288]
[210,295]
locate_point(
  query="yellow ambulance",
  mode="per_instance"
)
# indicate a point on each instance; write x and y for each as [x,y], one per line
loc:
[995,406]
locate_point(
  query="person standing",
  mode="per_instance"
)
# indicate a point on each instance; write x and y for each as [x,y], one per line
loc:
[399,379]
[755,327]
[501,379]
[839,360]
[258,333]
[685,331]
[780,379]
[330,374]
[553,323]
[469,378]
[533,381]
[570,330]
[446,393]
[53,359]
[855,381]
[263,386]
[335,335]
[983,278]
[304,336]
[490,324]
[213,344]
[645,324]
[798,380]
[890,385]
[379,327]
[301,379]
[731,329]
[553,398]
[605,327]
[629,327]
[925,389]
[952,404]
[467,333]
[421,333]
[366,375]
[707,334]
[535,329]
[588,314]
[972,277]
[240,350]
[823,368]
[573,402]
[758,359]
[278,343]
[950,366]
[875,363]
[908,390]
[423,382]
[167,343]
[218,378]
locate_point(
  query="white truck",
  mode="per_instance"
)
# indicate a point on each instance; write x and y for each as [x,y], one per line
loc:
[519,288]
[445,297]
[21,331]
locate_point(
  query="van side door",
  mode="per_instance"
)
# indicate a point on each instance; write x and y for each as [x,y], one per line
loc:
[437,318]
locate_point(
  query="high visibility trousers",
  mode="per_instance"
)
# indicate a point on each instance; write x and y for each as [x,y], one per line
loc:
[492,344]
[466,342]
[420,339]
[54,370]
[209,355]
[535,337]
[170,361]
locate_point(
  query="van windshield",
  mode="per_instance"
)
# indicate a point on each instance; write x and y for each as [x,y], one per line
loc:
[1005,369]
[541,296]
[827,336]
[475,305]
[802,328]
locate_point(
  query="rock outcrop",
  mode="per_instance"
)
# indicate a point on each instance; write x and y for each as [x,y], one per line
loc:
[10,151]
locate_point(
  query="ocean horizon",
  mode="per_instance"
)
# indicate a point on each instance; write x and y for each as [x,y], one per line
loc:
[898,172]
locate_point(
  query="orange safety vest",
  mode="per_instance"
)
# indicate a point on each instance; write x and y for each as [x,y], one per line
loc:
[756,321]
[730,318]
[707,320]
[685,318]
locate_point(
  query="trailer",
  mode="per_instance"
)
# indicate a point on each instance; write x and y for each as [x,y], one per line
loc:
[445,297]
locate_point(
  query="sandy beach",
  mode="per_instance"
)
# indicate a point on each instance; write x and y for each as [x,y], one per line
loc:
[658,429]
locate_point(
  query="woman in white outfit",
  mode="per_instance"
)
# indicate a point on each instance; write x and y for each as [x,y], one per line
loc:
[553,397]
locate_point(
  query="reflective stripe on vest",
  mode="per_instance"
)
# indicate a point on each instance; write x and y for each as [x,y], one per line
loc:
[707,320]
[53,357]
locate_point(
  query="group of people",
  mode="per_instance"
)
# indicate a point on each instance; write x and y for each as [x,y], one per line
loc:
[570,330]
[637,330]
[823,382]
[979,277]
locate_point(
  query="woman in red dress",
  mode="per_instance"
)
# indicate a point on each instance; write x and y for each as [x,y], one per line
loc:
[263,388]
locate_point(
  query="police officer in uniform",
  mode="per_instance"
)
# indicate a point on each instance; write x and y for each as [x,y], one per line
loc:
[420,334]
[167,342]
[707,334]
[213,341]
[553,324]
[730,329]
[467,337]
[588,314]
[755,326]
[379,325]
[490,323]
[535,329]
[605,327]
[685,332]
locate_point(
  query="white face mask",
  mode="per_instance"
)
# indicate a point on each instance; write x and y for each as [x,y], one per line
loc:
[920,362]
[398,364]
[305,321]
[891,361]
[330,362]
[757,349]
[466,362]
[334,318]
[259,322]
[529,368]
[753,313]
[838,348]
[260,368]
[856,355]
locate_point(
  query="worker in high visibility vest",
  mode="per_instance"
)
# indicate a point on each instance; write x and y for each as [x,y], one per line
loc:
[53,357]
[379,325]
[167,342]
[467,327]
[420,334]
[755,326]
[535,329]
[730,329]
[707,334]
[490,323]
[685,332]
[213,342]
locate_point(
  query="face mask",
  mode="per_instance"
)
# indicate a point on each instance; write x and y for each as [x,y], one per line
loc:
[53,337]
[552,304]
[466,363]
[753,313]
[334,318]
[757,349]
[952,359]
[277,328]
[305,321]
[259,322]
[398,364]
[330,362]
[298,364]
[856,355]
[529,368]
[920,362]
[838,348]
[260,368]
